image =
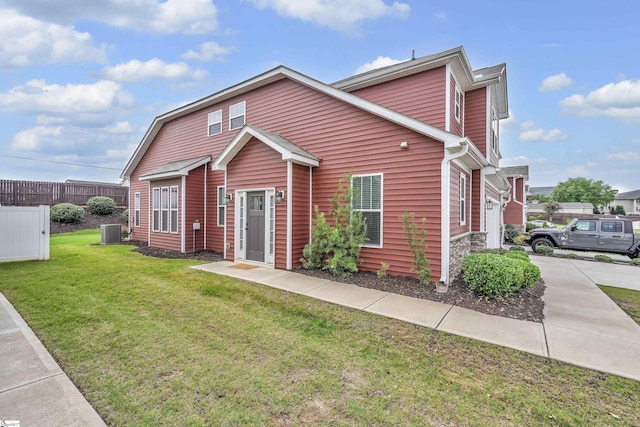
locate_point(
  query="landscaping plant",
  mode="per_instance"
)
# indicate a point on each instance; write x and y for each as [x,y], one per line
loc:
[417,246]
[603,258]
[101,205]
[545,250]
[499,275]
[66,213]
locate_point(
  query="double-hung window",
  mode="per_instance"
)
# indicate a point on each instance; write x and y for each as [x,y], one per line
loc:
[222,208]
[136,210]
[164,210]
[463,199]
[458,104]
[237,113]
[215,123]
[156,209]
[173,209]
[367,198]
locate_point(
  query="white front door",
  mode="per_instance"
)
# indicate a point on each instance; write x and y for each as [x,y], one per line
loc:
[493,226]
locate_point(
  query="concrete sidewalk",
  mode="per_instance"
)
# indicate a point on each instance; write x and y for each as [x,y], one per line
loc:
[33,388]
[582,325]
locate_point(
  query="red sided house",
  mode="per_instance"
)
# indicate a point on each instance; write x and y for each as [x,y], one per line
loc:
[240,170]
[515,212]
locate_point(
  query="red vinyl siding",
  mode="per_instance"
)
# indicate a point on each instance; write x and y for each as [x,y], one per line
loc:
[476,203]
[455,191]
[421,95]
[455,124]
[344,137]
[475,113]
[301,199]
[195,209]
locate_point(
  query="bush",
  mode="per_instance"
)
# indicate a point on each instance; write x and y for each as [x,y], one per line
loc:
[492,275]
[530,226]
[67,213]
[603,258]
[416,239]
[545,250]
[517,255]
[516,248]
[635,261]
[125,216]
[571,256]
[519,240]
[510,231]
[101,205]
[497,251]
[531,275]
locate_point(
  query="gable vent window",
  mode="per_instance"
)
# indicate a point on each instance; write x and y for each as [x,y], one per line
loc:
[237,114]
[215,123]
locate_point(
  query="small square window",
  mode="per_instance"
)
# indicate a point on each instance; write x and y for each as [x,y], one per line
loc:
[237,113]
[215,123]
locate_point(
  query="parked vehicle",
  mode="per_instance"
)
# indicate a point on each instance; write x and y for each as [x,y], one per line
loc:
[600,235]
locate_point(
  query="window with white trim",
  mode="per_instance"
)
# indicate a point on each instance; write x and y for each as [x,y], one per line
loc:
[222,207]
[173,209]
[237,115]
[458,104]
[164,210]
[156,209]
[136,210]
[215,123]
[367,198]
[463,199]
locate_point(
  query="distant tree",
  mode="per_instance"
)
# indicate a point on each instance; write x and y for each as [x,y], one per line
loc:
[618,210]
[584,191]
[551,207]
[539,197]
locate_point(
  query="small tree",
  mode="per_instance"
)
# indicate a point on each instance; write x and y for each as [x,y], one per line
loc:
[551,207]
[417,245]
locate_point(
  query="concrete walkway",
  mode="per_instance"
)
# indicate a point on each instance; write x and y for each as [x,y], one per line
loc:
[582,325]
[33,388]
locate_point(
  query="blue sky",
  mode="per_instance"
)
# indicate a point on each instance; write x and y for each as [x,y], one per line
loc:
[81,81]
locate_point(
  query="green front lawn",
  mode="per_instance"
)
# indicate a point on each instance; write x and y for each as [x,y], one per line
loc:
[627,299]
[152,342]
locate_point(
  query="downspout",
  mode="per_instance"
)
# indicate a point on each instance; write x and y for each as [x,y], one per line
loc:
[445,220]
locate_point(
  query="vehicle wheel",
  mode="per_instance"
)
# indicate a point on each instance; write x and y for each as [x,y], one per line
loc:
[539,243]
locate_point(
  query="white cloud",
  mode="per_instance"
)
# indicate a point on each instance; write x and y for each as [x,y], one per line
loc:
[208,51]
[555,82]
[343,15]
[136,71]
[531,132]
[552,45]
[625,157]
[94,104]
[159,16]
[27,41]
[523,160]
[30,139]
[577,170]
[616,100]
[379,62]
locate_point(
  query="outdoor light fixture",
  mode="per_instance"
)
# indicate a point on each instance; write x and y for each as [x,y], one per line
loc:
[489,204]
[228,198]
[279,197]
[404,145]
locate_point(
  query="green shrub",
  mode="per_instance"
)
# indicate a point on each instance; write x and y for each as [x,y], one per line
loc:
[497,251]
[531,274]
[517,255]
[510,231]
[530,226]
[101,205]
[383,270]
[603,258]
[417,246]
[125,216]
[492,275]
[545,250]
[66,213]
[571,256]
[516,248]
[635,261]
[519,240]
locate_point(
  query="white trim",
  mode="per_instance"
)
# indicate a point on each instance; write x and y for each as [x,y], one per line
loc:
[268,196]
[209,122]
[241,254]
[136,209]
[178,173]
[289,201]
[244,114]
[462,198]
[447,94]
[483,195]
[163,223]
[310,203]
[149,218]
[184,211]
[204,231]
[224,230]
[381,209]
[156,226]
[219,205]
[457,103]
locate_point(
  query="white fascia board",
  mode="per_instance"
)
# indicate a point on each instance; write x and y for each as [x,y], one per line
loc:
[299,159]
[175,174]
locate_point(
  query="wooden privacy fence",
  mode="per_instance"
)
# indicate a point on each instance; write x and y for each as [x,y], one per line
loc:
[35,193]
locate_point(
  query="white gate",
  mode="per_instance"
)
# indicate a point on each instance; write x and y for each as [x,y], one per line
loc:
[24,233]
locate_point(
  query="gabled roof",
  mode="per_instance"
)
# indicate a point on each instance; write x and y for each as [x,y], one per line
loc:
[290,151]
[468,78]
[516,171]
[175,169]
[629,195]
[276,74]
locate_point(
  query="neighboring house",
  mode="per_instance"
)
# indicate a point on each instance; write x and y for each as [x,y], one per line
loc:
[239,171]
[577,208]
[630,201]
[545,191]
[515,212]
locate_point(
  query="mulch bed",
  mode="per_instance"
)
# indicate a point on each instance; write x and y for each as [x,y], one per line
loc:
[210,256]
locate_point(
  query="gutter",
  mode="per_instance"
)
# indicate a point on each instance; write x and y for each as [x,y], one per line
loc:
[445,235]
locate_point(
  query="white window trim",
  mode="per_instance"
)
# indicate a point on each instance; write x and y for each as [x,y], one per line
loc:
[212,120]
[136,210]
[381,209]
[164,226]
[156,196]
[171,210]
[221,204]
[463,198]
[244,113]
[457,104]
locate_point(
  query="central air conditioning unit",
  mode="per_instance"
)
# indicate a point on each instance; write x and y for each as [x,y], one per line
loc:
[110,234]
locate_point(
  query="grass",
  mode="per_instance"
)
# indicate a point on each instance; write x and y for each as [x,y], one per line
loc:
[627,299]
[150,341]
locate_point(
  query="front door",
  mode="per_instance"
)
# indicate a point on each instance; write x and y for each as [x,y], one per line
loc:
[255,226]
